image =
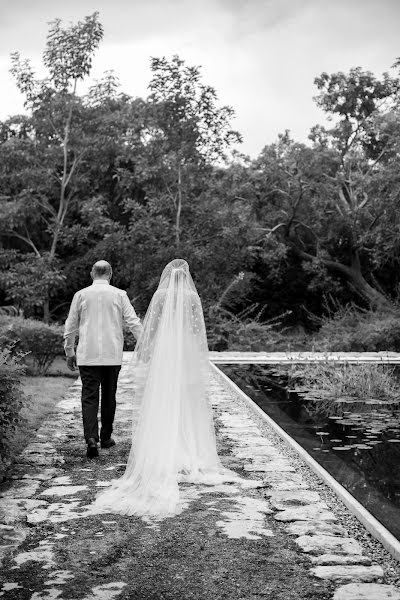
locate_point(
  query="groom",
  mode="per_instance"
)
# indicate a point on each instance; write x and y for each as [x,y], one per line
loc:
[96,315]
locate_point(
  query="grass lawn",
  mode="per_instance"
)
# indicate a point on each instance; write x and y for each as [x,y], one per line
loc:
[43,394]
[59,367]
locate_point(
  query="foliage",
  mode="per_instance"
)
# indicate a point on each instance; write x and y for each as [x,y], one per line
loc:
[191,124]
[129,340]
[41,342]
[186,133]
[12,401]
[348,381]
[140,181]
[334,203]
[28,279]
[50,150]
[351,329]
[243,331]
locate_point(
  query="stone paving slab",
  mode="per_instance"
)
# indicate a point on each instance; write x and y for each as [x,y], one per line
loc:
[274,538]
[366,591]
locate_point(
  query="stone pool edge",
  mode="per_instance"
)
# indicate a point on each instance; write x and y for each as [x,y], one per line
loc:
[388,541]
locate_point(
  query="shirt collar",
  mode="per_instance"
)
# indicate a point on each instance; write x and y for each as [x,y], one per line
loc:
[96,281]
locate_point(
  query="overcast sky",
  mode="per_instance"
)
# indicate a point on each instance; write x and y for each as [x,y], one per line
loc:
[260,55]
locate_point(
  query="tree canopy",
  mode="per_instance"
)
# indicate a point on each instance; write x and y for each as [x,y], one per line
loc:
[139,181]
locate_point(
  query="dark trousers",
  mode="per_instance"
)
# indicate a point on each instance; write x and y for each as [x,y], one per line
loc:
[94,378]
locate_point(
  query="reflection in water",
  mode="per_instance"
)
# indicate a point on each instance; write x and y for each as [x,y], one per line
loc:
[357,441]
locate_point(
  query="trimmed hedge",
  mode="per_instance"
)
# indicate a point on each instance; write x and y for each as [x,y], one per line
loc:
[40,342]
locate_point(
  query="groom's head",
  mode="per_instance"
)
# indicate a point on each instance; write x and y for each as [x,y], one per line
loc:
[101,270]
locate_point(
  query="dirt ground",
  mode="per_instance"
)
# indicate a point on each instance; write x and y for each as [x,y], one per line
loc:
[226,544]
[184,557]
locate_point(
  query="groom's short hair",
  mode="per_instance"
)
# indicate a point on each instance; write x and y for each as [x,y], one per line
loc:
[101,268]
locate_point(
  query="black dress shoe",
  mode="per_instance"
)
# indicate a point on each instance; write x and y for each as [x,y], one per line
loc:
[92,450]
[107,443]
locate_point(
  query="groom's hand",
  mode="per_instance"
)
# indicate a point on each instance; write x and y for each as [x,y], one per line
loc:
[71,363]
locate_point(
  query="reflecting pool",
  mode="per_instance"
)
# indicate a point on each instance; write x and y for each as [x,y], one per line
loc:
[356,441]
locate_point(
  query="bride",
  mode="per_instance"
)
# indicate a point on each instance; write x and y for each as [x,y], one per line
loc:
[173,440]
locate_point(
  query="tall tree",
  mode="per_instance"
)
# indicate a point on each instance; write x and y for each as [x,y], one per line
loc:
[189,131]
[54,146]
[331,203]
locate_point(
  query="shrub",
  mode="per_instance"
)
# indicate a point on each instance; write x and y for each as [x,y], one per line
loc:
[361,382]
[244,331]
[355,330]
[331,389]
[12,401]
[43,343]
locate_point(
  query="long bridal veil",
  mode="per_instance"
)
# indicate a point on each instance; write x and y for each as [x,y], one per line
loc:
[174,439]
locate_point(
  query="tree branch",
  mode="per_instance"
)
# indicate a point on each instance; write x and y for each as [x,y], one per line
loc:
[308,229]
[330,264]
[380,155]
[46,206]
[269,231]
[24,239]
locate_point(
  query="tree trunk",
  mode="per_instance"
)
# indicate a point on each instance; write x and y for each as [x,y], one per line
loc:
[46,310]
[178,209]
[65,180]
[353,276]
[374,297]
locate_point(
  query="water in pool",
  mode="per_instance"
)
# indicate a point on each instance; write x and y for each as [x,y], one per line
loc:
[356,441]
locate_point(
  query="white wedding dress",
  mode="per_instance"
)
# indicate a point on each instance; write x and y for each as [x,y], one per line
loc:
[174,439]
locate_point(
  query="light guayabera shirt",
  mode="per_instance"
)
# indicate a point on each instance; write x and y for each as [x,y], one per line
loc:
[97,314]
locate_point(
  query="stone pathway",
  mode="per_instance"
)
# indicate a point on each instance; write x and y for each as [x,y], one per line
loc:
[278,540]
[281,358]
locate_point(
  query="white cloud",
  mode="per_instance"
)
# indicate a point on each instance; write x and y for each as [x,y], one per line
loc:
[261,55]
